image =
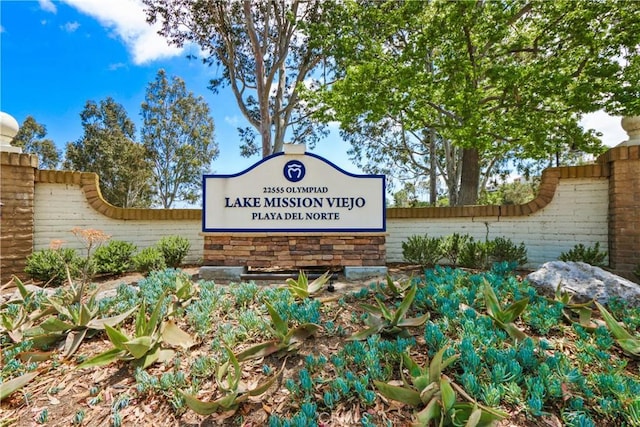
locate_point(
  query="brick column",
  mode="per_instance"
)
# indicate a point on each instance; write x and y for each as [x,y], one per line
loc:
[17,186]
[624,208]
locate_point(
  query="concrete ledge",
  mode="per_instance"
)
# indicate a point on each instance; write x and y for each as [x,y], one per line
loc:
[357,273]
[222,273]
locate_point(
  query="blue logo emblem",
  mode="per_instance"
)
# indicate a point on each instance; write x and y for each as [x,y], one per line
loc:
[294,171]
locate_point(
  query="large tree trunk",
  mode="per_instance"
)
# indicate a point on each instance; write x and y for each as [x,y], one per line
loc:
[470,178]
[433,176]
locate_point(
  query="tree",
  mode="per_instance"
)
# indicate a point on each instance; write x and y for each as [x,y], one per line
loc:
[31,138]
[266,60]
[177,133]
[108,148]
[493,80]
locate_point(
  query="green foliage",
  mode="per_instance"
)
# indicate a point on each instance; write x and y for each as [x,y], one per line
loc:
[228,378]
[148,260]
[108,148]
[177,134]
[114,257]
[31,138]
[422,250]
[452,246]
[505,317]
[50,265]
[590,255]
[504,250]
[174,249]
[628,342]
[301,288]
[429,389]
[475,254]
[287,339]
[383,321]
[144,348]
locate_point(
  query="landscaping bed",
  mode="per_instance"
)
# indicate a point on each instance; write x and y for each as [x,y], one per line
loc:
[468,344]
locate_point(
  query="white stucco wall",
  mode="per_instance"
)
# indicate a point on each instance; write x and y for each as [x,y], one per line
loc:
[576,214]
[61,207]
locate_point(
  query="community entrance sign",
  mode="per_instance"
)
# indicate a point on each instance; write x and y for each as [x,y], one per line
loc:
[293,210]
[294,191]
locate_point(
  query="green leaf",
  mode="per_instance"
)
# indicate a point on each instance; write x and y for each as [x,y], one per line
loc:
[618,332]
[300,333]
[85,315]
[318,284]
[414,322]
[262,388]
[491,301]
[474,418]
[405,305]
[206,408]
[53,324]
[392,286]
[359,336]
[154,320]
[111,321]
[448,395]
[386,314]
[280,325]
[401,394]
[141,320]
[411,365]
[435,367]
[429,413]
[102,359]
[260,350]
[117,338]
[8,387]
[139,346]
[514,310]
[233,376]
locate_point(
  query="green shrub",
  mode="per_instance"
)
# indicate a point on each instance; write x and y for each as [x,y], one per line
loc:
[590,255]
[503,249]
[148,260]
[475,254]
[174,249]
[48,265]
[423,250]
[114,257]
[452,245]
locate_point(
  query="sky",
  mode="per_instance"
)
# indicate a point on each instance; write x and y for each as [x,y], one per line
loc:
[57,55]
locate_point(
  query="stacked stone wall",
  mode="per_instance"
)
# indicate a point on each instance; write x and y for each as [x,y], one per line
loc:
[16,215]
[294,250]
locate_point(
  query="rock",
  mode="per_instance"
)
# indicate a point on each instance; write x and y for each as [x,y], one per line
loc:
[585,282]
[15,296]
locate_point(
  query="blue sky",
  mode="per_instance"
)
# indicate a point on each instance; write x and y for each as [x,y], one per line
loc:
[57,55]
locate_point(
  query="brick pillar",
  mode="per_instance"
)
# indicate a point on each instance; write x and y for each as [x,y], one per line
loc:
[17,185]
[624,209]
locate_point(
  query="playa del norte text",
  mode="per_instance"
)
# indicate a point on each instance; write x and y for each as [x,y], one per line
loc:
[295,208]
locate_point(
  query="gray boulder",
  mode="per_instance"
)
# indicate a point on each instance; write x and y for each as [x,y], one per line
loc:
[585,282]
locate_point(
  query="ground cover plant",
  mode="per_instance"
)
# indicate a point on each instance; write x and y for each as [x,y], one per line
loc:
[446,347]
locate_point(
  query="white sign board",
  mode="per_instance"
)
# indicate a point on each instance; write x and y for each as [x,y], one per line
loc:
[293,192]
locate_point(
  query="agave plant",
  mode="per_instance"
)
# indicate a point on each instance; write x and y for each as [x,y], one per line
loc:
[383,321]
[629,343]
[505,317]
[14,384]
[434,392]
[302,289]
[580,313]
[287,339]
[393,289]
[235,391]
[145,347]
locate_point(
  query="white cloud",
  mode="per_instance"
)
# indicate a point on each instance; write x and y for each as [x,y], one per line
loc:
[232,120]
[70,27]
[127,20]
[609,126]
[117,65]
[48,6]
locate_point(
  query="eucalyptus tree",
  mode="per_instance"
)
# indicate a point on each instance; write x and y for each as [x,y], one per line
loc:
[108,148]
[178,135]
[31,138]
[260,50]
[485,80]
